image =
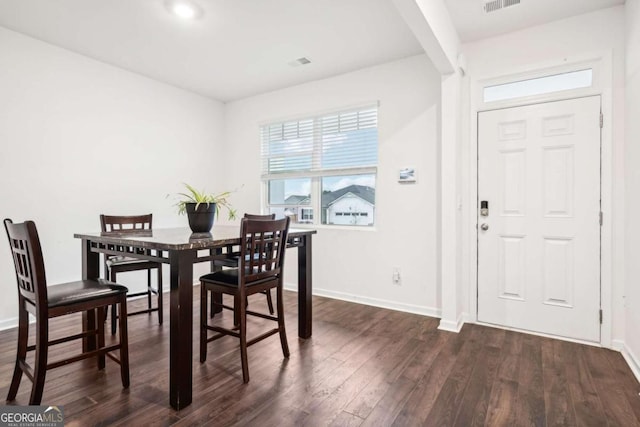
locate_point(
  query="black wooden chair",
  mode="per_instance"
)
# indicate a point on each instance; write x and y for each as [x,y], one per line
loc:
[231,261]
[58,300]
[254,274]
[119,264]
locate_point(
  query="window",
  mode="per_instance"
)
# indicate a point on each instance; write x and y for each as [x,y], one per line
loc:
[322,170]
[539,86]
[306,215]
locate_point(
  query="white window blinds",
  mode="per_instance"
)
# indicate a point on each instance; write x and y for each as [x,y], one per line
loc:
[317,145]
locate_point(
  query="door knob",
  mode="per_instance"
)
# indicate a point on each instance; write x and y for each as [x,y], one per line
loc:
[484,227]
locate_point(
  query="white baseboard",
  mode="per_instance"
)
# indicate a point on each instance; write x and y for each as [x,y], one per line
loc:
[8,323]
[451,326]
[466,318]
[13,322]
[629,357]
[375,302]
[617,345]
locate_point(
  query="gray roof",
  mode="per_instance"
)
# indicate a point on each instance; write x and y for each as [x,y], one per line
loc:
[296,200]
[364,192]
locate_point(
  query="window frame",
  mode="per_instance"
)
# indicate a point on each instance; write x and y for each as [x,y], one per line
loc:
[492,94]
[315,176]
[540,72]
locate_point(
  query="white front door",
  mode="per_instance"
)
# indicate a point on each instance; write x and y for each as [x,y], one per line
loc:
[539,244]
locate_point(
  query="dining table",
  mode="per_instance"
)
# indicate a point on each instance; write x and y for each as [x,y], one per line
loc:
[181,249]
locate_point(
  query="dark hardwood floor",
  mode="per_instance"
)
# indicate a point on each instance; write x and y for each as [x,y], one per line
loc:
[364,366]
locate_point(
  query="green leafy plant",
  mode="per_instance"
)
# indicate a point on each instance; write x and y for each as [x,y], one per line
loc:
[200,197]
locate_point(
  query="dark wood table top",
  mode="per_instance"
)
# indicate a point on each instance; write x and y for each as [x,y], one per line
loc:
[178,238]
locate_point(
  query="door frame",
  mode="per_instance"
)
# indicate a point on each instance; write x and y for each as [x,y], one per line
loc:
[601,62]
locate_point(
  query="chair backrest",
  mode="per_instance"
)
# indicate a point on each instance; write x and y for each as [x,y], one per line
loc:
[125,223]
[28,261]
[255,216]
[268,239]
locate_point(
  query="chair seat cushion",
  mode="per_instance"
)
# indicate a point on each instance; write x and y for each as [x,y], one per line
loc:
[81,291]
[233,260]
[128,264]
[229,278]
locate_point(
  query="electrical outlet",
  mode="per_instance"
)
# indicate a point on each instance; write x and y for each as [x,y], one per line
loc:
[396,276]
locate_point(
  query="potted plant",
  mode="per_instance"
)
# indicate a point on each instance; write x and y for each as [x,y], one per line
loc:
[202,208]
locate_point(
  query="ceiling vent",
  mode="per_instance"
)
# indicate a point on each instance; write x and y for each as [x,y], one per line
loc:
[300,61]
[494,5]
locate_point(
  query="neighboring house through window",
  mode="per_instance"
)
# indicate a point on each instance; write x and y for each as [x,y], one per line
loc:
[351,205]
[322,170]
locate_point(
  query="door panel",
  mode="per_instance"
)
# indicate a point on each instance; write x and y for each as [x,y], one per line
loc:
[539,258]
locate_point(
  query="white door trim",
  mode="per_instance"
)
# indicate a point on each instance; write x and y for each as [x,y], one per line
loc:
[604,88]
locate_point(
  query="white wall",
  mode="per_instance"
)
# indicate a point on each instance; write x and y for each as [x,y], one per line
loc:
[548,45]
[632,183]
[358,264]
[79,138]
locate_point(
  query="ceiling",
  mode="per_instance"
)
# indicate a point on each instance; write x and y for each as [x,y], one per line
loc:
[472,23]
[240,48]
[237,49]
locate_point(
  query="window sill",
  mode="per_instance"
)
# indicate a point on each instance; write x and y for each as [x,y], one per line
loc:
[334,227]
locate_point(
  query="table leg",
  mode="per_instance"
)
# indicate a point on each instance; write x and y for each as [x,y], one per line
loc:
[90,270]
[304,288]
[216,298]
[181,328]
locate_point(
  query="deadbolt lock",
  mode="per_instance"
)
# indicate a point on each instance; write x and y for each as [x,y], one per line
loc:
[484,208]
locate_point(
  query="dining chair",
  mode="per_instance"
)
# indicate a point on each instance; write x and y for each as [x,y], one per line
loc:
[232,259]
[119,264]
[254,274]
[46,302]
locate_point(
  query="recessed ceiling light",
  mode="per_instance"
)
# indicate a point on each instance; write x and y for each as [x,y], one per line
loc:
[185,9]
